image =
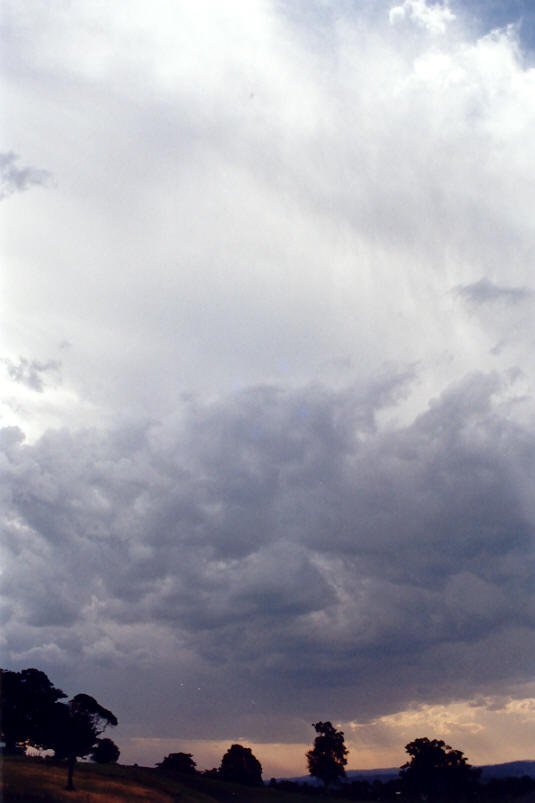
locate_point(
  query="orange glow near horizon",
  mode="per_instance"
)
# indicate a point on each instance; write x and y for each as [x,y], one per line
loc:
[488,731]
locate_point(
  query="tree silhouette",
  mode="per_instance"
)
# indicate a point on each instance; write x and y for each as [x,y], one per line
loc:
[179,762]
[437,771]
[105,752]
[241,766]
[327,758]
[32,715]
[75,728]
[28,699]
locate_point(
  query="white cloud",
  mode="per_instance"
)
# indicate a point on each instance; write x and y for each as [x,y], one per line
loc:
[434,17]
[292,442]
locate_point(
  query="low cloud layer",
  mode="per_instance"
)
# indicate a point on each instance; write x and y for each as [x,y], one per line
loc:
[276,548]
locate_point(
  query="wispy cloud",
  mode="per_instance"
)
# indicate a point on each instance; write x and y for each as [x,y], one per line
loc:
[18,179]
[31,373]
[486,292]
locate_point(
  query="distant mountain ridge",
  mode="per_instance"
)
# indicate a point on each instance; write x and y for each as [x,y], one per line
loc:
[510,769]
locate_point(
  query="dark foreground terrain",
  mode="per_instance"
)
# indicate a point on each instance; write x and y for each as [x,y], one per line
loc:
[30,780]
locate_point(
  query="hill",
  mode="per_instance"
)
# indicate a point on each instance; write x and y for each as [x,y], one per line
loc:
[353,775]
[511,769]
[30,780]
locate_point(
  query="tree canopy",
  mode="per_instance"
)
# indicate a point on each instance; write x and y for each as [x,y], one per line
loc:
[179,762]
[327,759]
[75,728]
[437,771]
[33,716]
[241,766]
[105,752]
[28,702]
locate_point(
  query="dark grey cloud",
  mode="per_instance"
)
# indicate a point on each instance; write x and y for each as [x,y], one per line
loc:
[31,372]
[486,292]
[277,546]
[17,179]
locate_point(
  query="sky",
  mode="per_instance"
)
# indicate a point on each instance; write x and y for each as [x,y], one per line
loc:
[268,429]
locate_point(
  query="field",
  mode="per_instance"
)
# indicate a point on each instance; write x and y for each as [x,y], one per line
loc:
[28,780]
[33,780]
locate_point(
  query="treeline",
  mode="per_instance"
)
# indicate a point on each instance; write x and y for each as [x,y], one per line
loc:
[496,789]
[37,714]
[238,765]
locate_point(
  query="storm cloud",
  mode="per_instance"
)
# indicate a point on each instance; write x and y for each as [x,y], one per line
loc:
[267,445]
[277,544]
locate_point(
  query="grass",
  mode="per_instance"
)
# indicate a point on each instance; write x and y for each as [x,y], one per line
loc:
[31,780]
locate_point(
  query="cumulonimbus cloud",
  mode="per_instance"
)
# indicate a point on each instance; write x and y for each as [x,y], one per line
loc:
[282,538]
[256,209]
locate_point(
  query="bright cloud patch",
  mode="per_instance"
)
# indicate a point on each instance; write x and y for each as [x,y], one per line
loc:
[432,16]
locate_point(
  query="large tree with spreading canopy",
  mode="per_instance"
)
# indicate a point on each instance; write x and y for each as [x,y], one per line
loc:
[327,759]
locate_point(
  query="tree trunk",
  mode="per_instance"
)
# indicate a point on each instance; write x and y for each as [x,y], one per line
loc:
[70,765]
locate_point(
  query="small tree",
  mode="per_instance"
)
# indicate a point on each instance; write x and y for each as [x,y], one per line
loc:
[437,771]
[105,752]
[327,758]
[179,762]
[241,766]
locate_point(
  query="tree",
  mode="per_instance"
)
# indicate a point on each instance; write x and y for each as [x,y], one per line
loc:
[179,762]
[240,765]
[75,728]
[327,758]
[105,752]
[28,698]
[32,715]
[437,771]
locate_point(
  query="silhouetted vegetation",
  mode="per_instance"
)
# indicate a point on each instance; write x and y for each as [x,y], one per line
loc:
[507,788]
[74,729]
[327,759]
[241,766]
[436,771]
[105,752]
[33,715]
[28,700]
[179,762]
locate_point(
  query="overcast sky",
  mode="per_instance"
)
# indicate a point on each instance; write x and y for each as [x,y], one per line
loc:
[268,453]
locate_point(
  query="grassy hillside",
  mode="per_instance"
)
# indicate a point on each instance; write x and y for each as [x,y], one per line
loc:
[31,780]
